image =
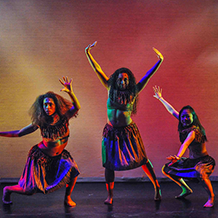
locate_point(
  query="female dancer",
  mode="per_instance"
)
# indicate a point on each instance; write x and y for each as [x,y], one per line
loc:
[49,166]
[122,146]
[199,165]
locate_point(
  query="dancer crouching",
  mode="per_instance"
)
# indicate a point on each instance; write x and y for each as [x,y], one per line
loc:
[49,166]
[199,165]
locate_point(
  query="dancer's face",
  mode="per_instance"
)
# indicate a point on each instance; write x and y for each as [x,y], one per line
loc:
[186,118]
[122,81]
[49,106]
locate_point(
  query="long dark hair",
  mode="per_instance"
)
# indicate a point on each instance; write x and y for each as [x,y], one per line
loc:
[131,89]
[37,113]
[196,121]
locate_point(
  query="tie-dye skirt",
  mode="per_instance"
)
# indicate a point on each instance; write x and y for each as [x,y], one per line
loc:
[46,174]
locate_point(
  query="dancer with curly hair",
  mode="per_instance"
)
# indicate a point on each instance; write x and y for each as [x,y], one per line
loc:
[49,166]
[122,146]
[199,165]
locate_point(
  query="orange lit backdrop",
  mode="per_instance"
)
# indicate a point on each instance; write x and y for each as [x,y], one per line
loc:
[41,41]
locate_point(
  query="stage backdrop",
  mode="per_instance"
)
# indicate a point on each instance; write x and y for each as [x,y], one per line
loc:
[41,41]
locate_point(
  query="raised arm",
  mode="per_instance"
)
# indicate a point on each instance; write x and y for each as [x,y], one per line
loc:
[19,133]
[101,75]
[170,108]
[69,90]
[142,83]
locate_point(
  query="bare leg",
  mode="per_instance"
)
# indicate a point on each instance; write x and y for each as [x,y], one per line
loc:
[209,189]
[8,190]
[109,177]
[69,188]
[186,190]
[110,188]
[148,169]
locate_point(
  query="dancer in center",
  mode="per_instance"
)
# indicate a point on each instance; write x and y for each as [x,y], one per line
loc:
[122,146]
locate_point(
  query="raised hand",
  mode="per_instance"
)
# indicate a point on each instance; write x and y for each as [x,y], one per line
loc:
[90,46]
[159,55]
[67,84]
[157,92]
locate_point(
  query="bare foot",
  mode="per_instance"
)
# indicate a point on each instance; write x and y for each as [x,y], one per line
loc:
[6,198]
[108,201]
[209,203]
[69,202]
[184,194]
[157,196]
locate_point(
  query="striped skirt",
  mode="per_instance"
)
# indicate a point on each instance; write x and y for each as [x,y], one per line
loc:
[191,168]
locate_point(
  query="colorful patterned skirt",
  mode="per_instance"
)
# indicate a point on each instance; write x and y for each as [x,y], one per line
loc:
[46,174]
[191,168]
[122,148]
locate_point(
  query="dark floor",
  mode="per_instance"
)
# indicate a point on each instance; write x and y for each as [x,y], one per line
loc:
[132,200]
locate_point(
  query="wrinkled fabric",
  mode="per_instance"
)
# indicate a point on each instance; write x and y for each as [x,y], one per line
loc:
[46,174]
[188,168]
[122,148]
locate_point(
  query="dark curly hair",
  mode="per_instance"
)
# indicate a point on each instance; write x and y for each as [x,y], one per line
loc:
[37,113]
[196,121]
[131,89]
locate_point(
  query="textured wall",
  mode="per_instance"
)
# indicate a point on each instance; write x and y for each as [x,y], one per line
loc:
[41,41]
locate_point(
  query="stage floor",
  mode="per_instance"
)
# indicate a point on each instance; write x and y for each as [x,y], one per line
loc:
[134,200]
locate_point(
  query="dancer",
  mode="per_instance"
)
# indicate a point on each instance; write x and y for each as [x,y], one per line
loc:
[49,166]
[199,165]
[122,146]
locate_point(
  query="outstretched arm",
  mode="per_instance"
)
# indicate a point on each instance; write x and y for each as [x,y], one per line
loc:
[101,75]
[18,133]
[142,83]
[158,95]
[186,143]
[184,146]
[69,90]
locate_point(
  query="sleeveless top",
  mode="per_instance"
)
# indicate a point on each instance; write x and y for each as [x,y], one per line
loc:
[56,131]
[197,148]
